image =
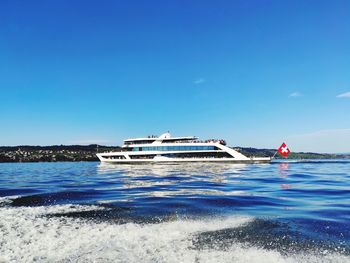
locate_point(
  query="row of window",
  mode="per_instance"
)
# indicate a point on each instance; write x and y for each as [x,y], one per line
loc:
[199,155]
[138,142]
[175,148]
[111,157]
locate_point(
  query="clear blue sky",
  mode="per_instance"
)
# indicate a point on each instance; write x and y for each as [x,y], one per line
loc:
[253,72]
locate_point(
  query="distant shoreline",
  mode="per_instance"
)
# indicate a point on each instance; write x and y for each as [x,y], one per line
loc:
[78,153]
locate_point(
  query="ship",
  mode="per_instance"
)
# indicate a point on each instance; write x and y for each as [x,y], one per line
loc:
[168,149]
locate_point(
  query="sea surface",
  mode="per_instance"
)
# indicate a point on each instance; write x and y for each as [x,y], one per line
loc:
[297,211]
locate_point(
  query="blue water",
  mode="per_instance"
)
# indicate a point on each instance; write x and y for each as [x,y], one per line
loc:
[91,212]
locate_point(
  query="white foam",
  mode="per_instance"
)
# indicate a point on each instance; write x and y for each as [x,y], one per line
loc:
[27,236]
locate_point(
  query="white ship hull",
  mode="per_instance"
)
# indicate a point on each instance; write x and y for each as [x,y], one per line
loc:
[189,160]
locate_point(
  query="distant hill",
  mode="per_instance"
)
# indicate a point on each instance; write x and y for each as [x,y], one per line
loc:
[91,147]
[54,153]
[76,153]
[250,152]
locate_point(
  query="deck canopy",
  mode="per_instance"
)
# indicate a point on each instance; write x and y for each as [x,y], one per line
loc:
[166,137]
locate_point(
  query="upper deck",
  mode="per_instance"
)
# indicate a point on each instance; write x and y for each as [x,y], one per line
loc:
[166,138]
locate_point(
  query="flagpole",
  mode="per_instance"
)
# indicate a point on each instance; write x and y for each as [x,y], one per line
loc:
[274,155]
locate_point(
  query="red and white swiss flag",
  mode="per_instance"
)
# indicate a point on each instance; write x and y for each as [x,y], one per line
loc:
[284,150]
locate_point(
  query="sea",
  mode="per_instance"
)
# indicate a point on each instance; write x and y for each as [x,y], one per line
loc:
[286,211]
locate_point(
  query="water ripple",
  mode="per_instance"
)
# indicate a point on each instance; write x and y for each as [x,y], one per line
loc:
[297,211]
